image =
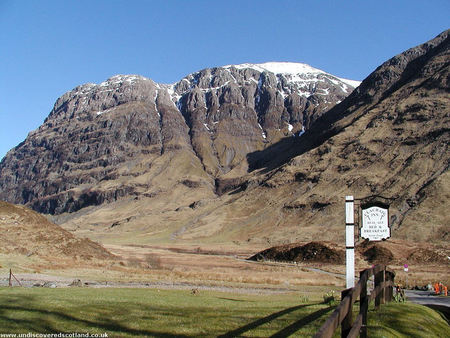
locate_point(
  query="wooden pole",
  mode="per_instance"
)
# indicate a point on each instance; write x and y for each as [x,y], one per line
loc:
[11,275]
[347,322]
[390,290]
[363,302]
[379,279]
[18,281]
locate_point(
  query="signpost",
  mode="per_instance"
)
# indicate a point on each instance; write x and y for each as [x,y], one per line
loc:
[375,227]
[349,241]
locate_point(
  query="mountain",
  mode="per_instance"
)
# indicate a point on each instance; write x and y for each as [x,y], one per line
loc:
[185,177]
[130,137]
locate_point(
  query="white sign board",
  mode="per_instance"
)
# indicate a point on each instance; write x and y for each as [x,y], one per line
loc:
[375,225]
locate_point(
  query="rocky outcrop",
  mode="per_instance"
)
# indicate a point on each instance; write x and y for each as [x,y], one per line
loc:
[90,133]
[235,110]
[104,142]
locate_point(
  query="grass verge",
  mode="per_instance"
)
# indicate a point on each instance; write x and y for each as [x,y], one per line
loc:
[406,320]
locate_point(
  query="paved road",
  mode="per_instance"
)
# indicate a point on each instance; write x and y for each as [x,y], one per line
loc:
[429,299]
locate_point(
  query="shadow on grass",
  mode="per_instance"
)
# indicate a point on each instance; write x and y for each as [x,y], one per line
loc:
[235,300]
[285,332]
[291,329]
[40,320]
[442,309]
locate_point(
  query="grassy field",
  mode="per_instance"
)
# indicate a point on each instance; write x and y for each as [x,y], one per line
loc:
[157,313]
[167,313]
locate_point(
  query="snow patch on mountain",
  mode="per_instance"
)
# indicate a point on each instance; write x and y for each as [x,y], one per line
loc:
[279,67]
[296,70]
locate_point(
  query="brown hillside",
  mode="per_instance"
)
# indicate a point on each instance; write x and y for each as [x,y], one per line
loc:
[25,232]
[389,138]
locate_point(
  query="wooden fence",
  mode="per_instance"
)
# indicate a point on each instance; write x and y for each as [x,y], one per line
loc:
[11,275]
[343,315]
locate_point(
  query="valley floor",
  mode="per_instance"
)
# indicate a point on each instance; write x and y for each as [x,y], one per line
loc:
[193,290]
[206,267]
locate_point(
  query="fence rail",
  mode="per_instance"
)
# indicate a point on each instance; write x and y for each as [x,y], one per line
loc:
[343,315]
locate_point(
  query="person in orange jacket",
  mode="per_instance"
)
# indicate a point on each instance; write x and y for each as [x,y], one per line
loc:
[436,288]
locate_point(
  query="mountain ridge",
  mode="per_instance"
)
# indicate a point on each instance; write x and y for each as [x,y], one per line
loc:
[217,116]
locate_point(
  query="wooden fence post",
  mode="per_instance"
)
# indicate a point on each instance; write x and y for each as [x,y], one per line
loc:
[377,282]
[390,289]
[11,275]
[379,279]
[347,322]
[343,314]
[363,302]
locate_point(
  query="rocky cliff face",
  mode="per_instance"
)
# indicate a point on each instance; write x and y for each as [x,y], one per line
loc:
[234,110]
[101,143]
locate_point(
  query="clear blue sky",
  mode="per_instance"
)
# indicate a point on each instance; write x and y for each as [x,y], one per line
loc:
[49,47]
